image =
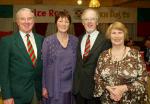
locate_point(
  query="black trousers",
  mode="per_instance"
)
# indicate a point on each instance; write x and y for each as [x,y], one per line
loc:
[81,100]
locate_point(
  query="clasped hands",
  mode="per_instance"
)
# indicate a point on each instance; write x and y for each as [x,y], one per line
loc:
[116,92]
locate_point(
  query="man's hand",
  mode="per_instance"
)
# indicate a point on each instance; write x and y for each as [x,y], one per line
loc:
[9,101]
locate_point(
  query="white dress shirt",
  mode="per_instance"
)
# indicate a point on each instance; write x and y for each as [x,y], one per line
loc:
[31,37]
[93,37]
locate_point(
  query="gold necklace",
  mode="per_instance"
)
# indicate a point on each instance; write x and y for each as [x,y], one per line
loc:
[114,58]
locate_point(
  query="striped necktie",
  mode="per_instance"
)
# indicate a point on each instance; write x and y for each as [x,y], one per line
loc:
[87,48]
[31,50]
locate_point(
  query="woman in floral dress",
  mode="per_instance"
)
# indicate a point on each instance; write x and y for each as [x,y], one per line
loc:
[120,73]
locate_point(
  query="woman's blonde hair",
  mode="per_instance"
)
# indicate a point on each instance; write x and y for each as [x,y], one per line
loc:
[119,26]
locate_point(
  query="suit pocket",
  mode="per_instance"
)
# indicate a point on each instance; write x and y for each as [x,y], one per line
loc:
[17,91]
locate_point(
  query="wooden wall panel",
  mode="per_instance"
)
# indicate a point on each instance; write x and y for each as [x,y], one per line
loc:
[17,2]
[104,3]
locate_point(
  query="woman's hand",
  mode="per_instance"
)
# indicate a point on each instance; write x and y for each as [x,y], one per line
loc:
[116,92]
[45,93]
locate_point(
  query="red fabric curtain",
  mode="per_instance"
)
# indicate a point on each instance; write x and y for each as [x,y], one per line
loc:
[143,28]
[79,29]
[41,28]
[4,33]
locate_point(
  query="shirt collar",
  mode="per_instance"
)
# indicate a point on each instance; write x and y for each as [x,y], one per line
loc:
[93,33]
[24,34]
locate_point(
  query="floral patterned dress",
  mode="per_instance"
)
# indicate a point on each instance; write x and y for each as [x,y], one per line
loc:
[131,70]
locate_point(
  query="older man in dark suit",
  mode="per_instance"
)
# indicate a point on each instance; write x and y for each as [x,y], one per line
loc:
[91,44]
[21,64]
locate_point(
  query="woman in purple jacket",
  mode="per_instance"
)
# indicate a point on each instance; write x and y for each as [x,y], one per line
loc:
[59,57]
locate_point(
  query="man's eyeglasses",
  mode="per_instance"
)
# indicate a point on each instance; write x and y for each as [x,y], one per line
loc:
[90,19]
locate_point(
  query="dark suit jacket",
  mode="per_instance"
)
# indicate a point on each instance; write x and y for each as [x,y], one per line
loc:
[19,79]
[146,58]
[83,81]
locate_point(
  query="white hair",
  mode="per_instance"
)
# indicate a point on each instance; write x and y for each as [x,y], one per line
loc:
[23,9]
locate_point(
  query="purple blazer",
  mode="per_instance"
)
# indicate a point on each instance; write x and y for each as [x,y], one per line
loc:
[58,65]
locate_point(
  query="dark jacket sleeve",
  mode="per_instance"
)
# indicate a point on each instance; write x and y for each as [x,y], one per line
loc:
[4,67]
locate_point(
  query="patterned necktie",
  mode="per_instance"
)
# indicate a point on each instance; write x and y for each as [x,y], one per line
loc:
[87,48]
[31,50]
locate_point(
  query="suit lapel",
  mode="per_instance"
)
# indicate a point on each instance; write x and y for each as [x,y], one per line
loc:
[20,44]
[97,43]
[38,45]
[79,48]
